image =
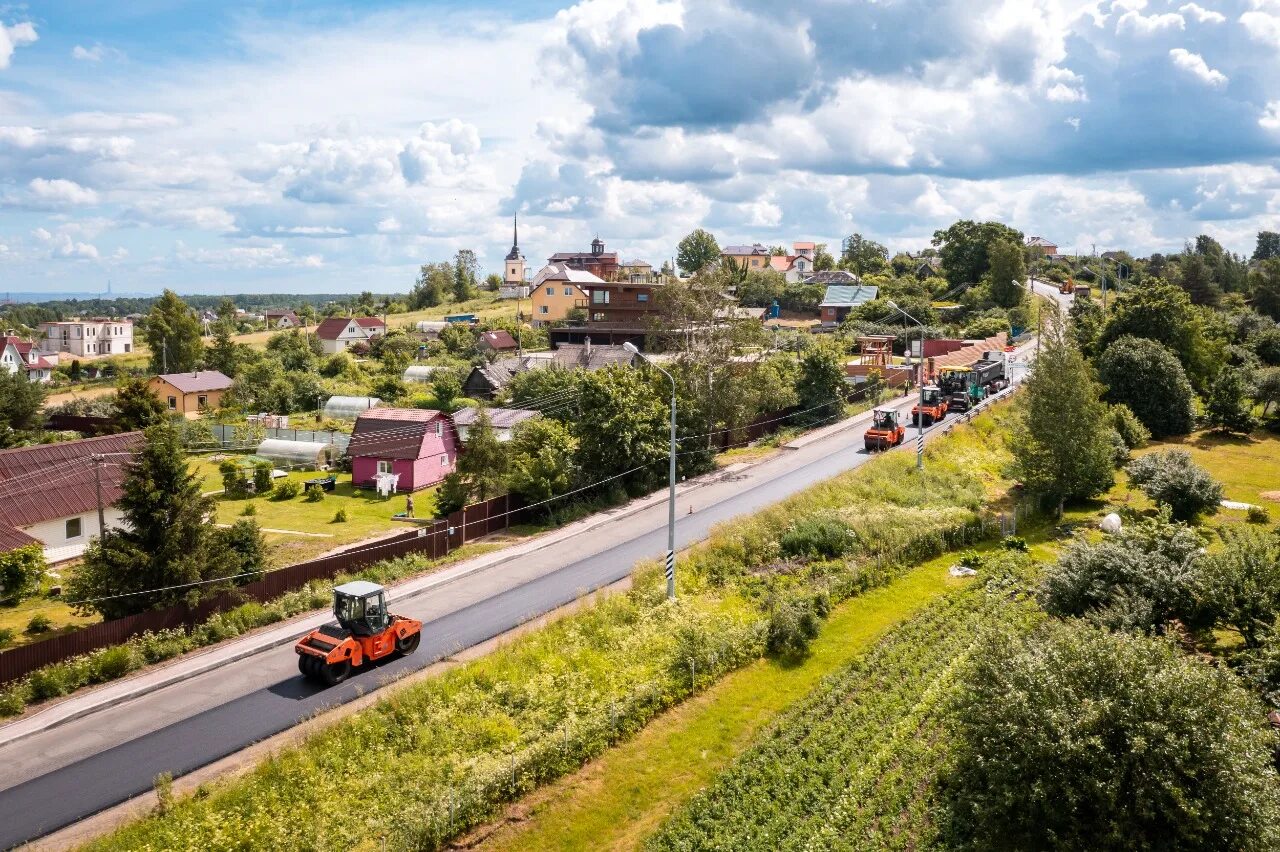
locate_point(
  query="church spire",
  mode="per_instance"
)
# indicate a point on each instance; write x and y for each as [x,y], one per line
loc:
[515,254]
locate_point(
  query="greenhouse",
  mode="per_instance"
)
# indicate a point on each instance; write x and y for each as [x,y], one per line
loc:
[418,373]
[349,407]
[294,454]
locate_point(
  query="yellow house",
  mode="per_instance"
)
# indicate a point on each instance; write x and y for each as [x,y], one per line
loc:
[754,256]
[556,290]
[190,394]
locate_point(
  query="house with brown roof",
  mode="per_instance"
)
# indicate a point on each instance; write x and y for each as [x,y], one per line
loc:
[18,354]
[281,319]
[497,341]
[190,394]
[416,446]
[600,263]
[49,492]
[338,334]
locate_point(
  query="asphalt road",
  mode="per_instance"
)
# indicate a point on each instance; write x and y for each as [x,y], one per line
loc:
[257,698]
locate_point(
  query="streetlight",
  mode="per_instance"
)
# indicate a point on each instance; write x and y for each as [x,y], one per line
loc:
[920,370]
[671,499]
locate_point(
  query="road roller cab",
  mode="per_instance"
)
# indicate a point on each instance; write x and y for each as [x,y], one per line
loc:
[363,632]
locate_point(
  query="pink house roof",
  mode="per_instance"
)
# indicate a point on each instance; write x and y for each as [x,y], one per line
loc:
[201,380]
[394,433]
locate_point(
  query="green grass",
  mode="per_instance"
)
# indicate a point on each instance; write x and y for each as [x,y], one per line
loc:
[617,800]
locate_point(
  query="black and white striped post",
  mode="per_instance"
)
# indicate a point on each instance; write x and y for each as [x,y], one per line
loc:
[671,499]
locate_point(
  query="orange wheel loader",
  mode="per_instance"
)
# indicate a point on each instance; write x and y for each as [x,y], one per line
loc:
[363,632]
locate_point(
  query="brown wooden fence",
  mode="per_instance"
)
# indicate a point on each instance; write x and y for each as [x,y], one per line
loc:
[434,540]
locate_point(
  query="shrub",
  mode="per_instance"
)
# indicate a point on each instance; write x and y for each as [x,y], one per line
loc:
[20,572]
[6,636]
[971,559]
[39,623]
[340,516]
[1149,379]
[314,494]
[1129,426]
[249,510]
[234,485]
[818,537]
[287,490]
[262,478]
[1172,478]
[1229,408]
[111,663]
[793,624]
[1014,542]
[1258,515]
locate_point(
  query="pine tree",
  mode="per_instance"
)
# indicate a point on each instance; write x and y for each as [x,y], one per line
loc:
[224,355]
[483,464]
[1228,407]
[173,335]
[1063,447]
[136,406]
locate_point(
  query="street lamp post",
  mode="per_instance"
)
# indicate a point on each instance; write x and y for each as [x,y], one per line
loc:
[920,380]
[671,495]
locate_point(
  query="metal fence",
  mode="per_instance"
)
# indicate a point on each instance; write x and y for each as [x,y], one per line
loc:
[433,539]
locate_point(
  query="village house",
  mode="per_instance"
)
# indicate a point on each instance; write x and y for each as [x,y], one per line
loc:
[487,380]
[636,271]
[1046,248]
[840,299]
[598,262]
[338,334]
[18,354]
[414,448]
[49,493]
[496,341]
[503,421]
[98,336]
[798,264]
[190,394]
[754,256]
[557,289]
[281,319]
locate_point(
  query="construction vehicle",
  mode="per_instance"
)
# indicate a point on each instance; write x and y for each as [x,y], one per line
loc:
[886,431]
[932,406]
[1082,292]
[1067,287]
[953,381]
[363,632]
[966,386]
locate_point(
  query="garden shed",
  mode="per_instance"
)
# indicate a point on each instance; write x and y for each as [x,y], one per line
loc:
[295,454]
[418,373]
[349,407]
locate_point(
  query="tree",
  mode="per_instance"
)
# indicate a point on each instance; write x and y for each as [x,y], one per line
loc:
[173,335]
[164,540]
[493,282]
[1267,390]
[432,287]
[1074,738]
[1228,408]
[696,251]
[1147,377]
[1062,445]
[1172,478]
[1085,327]
[20,572]
[820,387]
[1139,579]
[1241,584]
[243,546]
[534,388]
[1264,283]
[137,407]
[297,352]
[483,463]
[458,339]
[965,246]
[822,259]
[542,460]
[1197,279]
[1007,272]
[446,386]
[21,401]
[464,275]
[622,424]
[1268,246]
[862,256]
[224,355]
[75,372]
[1163,313]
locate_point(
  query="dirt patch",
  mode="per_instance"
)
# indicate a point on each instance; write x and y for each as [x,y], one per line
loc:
[1270,495]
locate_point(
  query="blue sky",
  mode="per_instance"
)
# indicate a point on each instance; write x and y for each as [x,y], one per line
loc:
[324,147]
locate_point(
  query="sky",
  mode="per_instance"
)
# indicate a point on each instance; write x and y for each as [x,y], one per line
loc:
[323,147]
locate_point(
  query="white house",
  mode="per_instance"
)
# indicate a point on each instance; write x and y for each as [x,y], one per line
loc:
[49,493]
[337,334]
[18,354]
[97,336]
[503,420]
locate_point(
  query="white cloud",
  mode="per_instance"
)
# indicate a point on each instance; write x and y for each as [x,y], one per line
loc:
[61,192]
[61,245]
[258,256]
[1270,118]
[1139,24]
[105,122]
[1201,14]
[389,225]
[13,37]
[96,53]
[1262,26]
[1194,64]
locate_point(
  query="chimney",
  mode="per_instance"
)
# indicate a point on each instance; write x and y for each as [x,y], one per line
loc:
[586,351]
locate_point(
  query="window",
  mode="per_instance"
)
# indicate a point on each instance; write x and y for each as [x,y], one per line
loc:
[597,317]
[439,428]
[543,309]
[126,347]
[551,291]
[642,297]
[74,528]
[444,461]
[202,401]
[599,297]
[384,466]
[173,403]
[568,291]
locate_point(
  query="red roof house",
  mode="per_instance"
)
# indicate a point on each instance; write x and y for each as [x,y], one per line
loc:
[497,341]
[48,493]
[418,444]
[18,354]
[337,334]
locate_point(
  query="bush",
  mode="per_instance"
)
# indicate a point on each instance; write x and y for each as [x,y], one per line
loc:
[340,516]
[793,624]
[1014,542]
[287,490]
[39,623]
[971,559]
[818,537]
[262,478]
[1073,738]
[234,485]
[111,663]
[1172,478]
[6,636]
[1150,380]
[1129,426]
[314,494]
[1258,515]
[20,572]
[249,510]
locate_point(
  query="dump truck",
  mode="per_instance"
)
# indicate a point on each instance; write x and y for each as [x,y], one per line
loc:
[1067,287]
[1082,291]
[886,430]
[362,632]
[932,406]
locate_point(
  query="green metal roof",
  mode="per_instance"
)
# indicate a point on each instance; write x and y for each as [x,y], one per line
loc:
[849,295]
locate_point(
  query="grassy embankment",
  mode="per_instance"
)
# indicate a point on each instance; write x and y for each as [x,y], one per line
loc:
[437,757]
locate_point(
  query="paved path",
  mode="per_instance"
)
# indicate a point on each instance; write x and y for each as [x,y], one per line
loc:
[52,777]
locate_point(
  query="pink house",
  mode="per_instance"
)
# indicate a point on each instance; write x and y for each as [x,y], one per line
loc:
[419,445]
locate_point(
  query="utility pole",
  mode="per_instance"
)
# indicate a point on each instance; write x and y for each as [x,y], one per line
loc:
[97,481]
[671,496]
[164,354]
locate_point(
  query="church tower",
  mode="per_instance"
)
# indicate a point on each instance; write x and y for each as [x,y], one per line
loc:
[514,275]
